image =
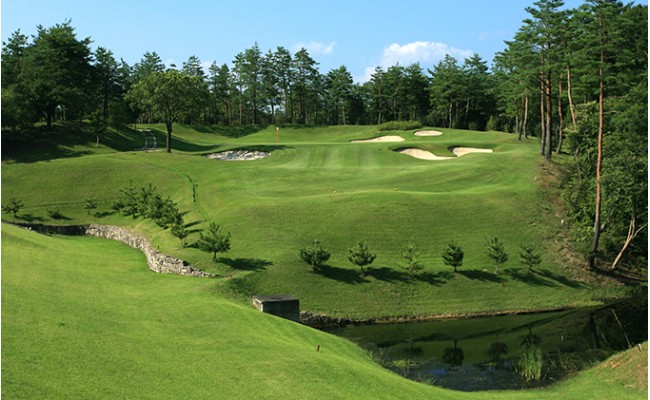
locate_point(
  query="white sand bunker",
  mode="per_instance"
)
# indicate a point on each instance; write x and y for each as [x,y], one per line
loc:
[238,155]
[381,139]
[428,133]
[427,155]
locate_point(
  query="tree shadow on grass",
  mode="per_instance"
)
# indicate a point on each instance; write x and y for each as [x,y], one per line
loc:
[436,279]
[31,218]
[102,214]
[245,264]
[348,276]
[388,274]
[530,278]
[483,276]
[563,280]
[229,131]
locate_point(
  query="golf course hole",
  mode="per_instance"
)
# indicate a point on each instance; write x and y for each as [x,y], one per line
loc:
[239,155]
[380,139]
[427,155]
[427,133]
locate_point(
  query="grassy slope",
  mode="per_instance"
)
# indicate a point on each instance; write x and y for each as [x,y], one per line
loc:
[84,318]
[317,185]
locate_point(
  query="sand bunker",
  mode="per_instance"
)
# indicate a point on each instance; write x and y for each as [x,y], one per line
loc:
[423,154]
[427,155]
[238,155]
[381,139]
[461,151]
[428,133]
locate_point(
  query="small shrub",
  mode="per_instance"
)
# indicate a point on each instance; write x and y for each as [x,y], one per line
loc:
[361,256]
[91,205]
[411,262]
[315,255]
[213,241]
[55,214]
[13,207]
[529,257]
[180,231]
[496,252]
[453,256]
[149,203]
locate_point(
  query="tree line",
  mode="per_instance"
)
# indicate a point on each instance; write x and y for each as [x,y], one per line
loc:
[576,79]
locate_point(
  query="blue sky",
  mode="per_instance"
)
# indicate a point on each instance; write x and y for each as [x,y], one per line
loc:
[356,33]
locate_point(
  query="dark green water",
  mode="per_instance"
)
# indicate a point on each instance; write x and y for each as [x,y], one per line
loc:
[484,353]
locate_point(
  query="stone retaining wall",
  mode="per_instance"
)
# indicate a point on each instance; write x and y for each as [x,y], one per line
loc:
[156,261]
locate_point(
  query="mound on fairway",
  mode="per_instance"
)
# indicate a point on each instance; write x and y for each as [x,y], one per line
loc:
[389,138]
[428,133]
[239,155]
[427,155]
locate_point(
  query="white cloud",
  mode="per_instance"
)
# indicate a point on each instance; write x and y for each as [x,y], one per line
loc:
[428,54]
[315,48]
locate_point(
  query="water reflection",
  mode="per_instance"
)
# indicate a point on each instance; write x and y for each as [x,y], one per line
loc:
[506,352]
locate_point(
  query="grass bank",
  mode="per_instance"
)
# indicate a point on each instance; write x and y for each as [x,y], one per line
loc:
[318,185]
[84,318]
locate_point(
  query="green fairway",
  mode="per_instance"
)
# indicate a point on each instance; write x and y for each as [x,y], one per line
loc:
[317,185]
[84,318]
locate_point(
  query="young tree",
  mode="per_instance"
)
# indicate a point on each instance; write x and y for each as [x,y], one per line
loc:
[496,252]
[411,262]
[529,257]
[180,231]
[13,207]
[453,256]
[360,255]
[91,205]
[214,241]
[315,255]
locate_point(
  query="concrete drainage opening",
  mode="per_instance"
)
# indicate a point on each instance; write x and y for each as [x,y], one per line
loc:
[282,305]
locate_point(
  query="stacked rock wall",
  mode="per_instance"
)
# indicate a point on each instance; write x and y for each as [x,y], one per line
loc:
[157,261]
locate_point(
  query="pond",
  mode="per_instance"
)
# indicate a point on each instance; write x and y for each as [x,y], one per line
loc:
[504,352]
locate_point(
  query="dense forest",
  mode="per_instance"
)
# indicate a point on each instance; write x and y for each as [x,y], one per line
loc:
[575,79]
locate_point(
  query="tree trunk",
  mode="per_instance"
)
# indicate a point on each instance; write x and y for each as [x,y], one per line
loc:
[548,151]
[599,162]
[561,120]
[525,122]
[542,119]
[631,234]
[519,121]
[168,145]
[571,107]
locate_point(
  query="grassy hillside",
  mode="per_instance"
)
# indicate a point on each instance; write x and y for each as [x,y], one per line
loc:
[84,318]
[318,185]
